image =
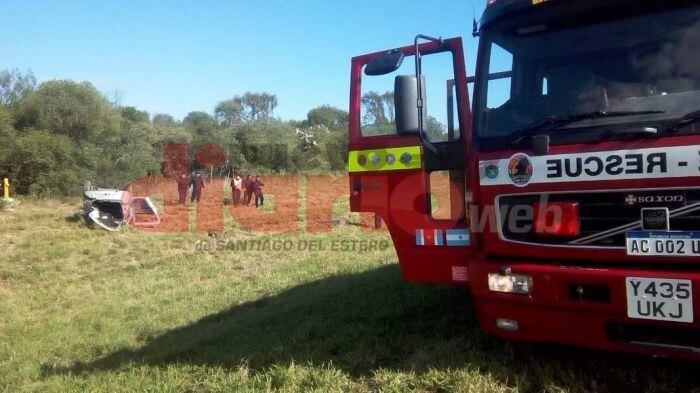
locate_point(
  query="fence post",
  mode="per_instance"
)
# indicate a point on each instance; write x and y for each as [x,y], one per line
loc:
[6,188]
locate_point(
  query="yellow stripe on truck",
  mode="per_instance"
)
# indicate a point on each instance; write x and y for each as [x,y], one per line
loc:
[389,159]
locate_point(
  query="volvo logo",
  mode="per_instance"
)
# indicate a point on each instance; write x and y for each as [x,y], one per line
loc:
[632,199]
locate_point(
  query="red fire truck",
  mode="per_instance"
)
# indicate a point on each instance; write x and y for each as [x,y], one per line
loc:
[572,205]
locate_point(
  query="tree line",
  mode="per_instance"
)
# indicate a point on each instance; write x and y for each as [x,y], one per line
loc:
[56,135]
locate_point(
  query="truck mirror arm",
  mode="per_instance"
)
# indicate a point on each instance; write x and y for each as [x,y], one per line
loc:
[421,133]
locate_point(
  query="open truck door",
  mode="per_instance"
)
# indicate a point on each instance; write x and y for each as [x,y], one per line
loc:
[409,158]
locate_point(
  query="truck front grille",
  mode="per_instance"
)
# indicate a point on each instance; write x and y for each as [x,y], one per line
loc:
[615,212]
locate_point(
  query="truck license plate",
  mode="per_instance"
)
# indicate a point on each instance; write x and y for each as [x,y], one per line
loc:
[660,299]
[680,244]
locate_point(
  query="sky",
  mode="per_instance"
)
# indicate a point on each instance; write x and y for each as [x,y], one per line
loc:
[184,55]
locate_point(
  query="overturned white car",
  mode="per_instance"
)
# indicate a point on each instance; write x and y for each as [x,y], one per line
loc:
[111,208]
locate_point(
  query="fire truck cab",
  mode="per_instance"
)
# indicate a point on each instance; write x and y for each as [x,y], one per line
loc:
[560,183]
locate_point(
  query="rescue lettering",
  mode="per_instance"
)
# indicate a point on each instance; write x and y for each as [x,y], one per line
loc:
[632,164]
[612,165]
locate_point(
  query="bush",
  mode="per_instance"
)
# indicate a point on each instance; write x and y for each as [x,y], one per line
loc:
[68,108]
[43,163]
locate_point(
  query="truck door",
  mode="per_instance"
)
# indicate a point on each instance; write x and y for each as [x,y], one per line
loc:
[420,190]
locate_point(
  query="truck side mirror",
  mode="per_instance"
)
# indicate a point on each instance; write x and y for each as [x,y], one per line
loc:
[385,64]
[406,105]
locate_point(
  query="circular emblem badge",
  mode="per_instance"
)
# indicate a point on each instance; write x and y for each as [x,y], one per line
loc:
[491,171]
[655,220]
[520,169]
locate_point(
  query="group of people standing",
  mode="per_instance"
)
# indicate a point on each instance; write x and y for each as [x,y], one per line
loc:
[196,181]
[243,190]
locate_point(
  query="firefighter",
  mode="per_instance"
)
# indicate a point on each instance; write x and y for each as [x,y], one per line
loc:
[236,189]
[258,190]
[197,187]
[248,188]
[183,184]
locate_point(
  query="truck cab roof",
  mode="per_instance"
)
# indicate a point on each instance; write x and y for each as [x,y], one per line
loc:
[541,11]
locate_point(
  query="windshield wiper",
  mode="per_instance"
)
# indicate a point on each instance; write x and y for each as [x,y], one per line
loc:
[552,122]
[689,118]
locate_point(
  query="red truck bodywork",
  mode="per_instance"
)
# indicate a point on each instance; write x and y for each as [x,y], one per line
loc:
[551,312]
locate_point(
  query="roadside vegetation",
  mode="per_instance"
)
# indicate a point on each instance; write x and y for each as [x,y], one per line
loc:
[56,135]
[89,310]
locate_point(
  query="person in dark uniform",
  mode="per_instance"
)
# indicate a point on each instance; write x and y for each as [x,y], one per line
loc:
[192,196]
[197,187]
[248,187]
[183,184]
[258,190]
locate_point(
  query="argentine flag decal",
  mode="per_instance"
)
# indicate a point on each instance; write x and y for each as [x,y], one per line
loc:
[458,238]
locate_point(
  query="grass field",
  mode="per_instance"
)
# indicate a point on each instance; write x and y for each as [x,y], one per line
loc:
[84,309]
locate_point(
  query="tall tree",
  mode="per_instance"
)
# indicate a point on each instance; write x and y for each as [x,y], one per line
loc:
[436,131]
[15,85]
[68,108]
[229,112]
[388,100]
[374,108]
[258,106]
[134,115]
[161,119]
[328,116]
[200,122]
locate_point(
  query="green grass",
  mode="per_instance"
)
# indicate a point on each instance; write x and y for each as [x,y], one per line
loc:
[84,309]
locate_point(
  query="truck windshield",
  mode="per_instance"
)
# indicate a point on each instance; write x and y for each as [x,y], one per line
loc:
[645,67]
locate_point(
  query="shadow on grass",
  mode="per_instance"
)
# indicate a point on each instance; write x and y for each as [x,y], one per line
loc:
[373,320]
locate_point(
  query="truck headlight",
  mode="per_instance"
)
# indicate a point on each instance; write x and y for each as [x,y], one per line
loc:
[510,283]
